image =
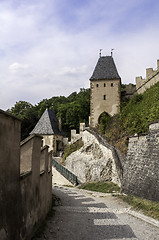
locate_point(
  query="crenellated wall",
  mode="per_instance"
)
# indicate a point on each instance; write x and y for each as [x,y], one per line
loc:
[75,136]
[141,169]
[152,77]
[26,181]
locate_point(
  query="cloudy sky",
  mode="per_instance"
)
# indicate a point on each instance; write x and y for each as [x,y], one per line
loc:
[50,47]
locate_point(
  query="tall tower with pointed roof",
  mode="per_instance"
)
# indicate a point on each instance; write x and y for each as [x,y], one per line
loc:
[105,85]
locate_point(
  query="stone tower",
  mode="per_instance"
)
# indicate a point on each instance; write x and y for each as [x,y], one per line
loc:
[105,90]
[48,127]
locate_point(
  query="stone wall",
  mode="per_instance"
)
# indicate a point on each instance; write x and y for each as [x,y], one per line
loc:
[76,136]
[25,192]
[55,143]
[36,184]
[95,161]
[10,194]
[129,91]
[152,77]
[141,168]
[105,97]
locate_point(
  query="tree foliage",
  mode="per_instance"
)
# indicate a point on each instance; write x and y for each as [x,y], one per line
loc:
[72,110]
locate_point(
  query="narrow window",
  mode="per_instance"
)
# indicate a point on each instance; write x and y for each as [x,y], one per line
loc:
[104,97]
[97,85]
[112,84]
[104,85]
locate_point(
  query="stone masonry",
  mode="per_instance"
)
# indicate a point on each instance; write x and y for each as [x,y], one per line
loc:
[152,77]
[140,171]
[105,90]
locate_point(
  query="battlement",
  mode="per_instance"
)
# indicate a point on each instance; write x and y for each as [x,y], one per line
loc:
[152,77]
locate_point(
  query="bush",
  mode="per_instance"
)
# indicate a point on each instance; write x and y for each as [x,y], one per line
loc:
[142,109]
[72,148]
[134,117]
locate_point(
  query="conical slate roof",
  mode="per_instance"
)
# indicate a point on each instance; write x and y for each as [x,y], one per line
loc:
[105,69]
[48,124]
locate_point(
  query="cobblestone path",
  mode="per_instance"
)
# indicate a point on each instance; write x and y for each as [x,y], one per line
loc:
[84,215]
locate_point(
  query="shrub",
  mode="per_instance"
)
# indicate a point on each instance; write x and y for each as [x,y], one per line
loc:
[72,148]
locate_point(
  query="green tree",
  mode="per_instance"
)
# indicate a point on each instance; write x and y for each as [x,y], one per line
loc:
[20,109]
[72,110]
[27,113]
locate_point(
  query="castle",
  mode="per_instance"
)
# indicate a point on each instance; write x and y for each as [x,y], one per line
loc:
[26,172]
[105,85]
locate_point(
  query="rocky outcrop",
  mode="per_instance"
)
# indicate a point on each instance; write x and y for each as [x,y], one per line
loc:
[96,160]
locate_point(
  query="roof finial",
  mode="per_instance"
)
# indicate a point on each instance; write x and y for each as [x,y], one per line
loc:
[100,52]
[112,52]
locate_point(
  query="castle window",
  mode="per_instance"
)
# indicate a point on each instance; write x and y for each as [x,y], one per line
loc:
[104,97]
[104,84]
[97,85]
[112,84]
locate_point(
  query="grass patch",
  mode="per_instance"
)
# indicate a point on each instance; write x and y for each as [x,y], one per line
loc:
[134,118]
[72,148]
[104,187]
[149,208]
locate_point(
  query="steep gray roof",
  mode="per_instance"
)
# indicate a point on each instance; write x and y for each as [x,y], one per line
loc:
[47,124]
[105,69]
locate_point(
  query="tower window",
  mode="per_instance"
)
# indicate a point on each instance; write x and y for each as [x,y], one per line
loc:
[104,84]
[112,84]
[97,85]
[104,97]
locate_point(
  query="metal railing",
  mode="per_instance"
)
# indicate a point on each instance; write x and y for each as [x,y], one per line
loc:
[65,172]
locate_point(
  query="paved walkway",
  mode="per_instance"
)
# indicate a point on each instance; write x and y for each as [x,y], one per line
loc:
[84,215]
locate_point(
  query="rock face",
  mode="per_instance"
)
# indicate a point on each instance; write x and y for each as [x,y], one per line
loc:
[95,161]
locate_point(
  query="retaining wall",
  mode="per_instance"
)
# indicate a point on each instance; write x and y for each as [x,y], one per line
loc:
[141,169]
